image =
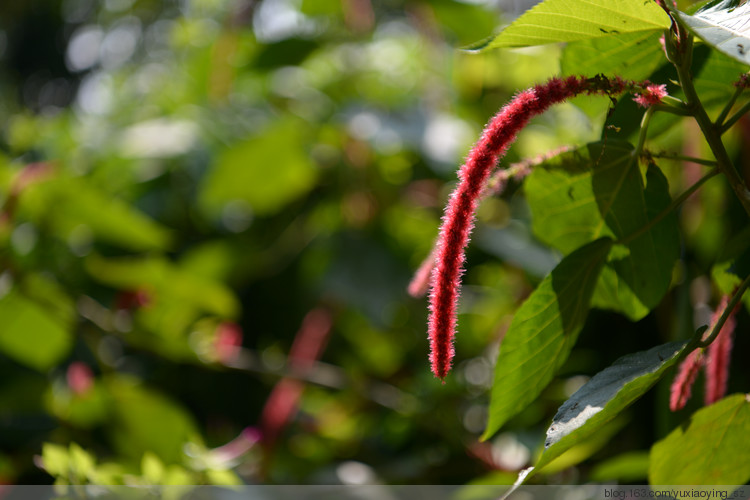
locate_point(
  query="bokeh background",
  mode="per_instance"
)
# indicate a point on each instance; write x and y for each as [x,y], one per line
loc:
[210,211]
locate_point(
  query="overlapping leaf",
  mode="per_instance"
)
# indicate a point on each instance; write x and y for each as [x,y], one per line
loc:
[598,190]
[565,21]
[543,332]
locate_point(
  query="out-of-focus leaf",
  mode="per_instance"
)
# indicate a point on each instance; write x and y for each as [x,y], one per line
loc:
[713,447]
[30,334]
[73,208]
[147,420]
[724,25]
[166,281]
[464,21]
[266,172]
[627,468]
[560,21]
[605,396]
[598,190]
[543,332]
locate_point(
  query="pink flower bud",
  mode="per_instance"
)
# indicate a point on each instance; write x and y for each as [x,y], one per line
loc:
[651,95]
[80,378]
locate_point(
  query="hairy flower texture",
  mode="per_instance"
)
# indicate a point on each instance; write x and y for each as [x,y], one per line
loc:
[651,95]
[473,176]
[420,283]
[683,383]
[718,355]
[743,82]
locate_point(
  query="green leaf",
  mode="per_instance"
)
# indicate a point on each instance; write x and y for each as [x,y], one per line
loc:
[265,172]
[543,332]
[563,21]
[147,420]
[723,25]
[598,190]
[30,334]
[632,56]
[713,447]
[627,468]
[77,210]
[604,397]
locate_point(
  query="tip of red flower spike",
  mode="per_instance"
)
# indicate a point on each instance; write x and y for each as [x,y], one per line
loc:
[651,95]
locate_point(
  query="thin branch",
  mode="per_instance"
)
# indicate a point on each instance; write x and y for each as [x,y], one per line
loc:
[739,114]
[678,157]
[726,314]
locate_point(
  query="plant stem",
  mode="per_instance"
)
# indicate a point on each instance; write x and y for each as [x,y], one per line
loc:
[677,157]
[711,132]
[727,312]
[728,124]
[644,131]
[725,112]
[671,207]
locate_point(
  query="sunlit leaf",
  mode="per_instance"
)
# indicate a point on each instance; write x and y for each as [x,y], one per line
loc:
[543,332]
[598,190]
[627,468]
[565,21]
[604,397]
[713,447]
[723,24]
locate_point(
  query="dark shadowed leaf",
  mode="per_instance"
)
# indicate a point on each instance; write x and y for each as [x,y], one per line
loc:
[713,447]
[560,21]
[598,190]
[543,332]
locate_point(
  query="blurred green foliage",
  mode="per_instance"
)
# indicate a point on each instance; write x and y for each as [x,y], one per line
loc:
[168,168]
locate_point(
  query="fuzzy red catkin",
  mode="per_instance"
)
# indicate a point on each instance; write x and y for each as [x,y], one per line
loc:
[682,385]
[458,220]
[459,214]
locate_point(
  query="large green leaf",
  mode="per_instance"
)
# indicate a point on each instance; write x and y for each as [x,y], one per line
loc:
[30,334]
[543,332]
[598,190]
[603,397]
[724,25]
[565,21]
[265,172]
[712,448]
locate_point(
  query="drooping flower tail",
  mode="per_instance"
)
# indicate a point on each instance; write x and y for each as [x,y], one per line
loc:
[458,220]
[682,385]
[718,355]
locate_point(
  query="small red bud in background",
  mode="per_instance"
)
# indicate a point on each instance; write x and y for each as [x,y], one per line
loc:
[80,378]
[228,341]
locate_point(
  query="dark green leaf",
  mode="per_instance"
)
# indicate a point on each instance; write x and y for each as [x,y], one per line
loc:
[713,447]
[723,25]
[560,21]
[598,190]
[543,332]
[605,396]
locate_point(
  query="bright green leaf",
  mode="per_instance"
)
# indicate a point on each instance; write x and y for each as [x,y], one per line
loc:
[605,396]
[713,447]
[598,190]
[265,172]
[55,459]
[565,21]
[30,334]
[543,332]
[723,25]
